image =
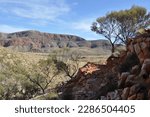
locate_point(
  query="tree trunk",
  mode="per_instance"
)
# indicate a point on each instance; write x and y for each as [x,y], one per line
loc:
[112,48]
[43,90]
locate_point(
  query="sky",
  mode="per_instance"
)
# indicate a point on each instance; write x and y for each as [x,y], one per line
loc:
[59,16]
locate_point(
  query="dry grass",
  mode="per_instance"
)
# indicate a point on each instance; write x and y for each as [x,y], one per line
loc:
[87,55]
[30,58]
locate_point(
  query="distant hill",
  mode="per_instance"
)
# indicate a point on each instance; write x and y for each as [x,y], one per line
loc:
[36,41]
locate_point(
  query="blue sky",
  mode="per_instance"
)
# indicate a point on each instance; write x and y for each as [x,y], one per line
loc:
[59,16]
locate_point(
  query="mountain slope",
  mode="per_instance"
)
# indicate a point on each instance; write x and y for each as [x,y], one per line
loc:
[43,42]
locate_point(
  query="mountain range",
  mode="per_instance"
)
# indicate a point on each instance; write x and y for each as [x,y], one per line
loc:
[35,41]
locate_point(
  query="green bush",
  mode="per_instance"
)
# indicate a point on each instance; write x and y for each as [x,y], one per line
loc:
[18,81]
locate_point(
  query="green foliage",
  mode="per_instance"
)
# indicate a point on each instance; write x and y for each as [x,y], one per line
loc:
[17,81]
[13,80]
[130,21]
[68,62]
[121,25]
[106,26]
[43,73]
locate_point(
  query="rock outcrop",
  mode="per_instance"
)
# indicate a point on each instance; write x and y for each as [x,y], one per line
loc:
[125,77]
[90,83]
[43,42]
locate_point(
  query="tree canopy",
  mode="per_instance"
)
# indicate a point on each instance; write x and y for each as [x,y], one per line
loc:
[121,25]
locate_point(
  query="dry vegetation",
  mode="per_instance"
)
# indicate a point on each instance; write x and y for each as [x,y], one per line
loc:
[35,75]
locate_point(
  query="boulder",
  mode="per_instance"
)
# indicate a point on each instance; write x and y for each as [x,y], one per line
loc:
[130,80]
[134,89]
[123,78]
[146,66]
[140,96]
[137,48]
[125,93]
[135,69]
[133,97]
[113,95]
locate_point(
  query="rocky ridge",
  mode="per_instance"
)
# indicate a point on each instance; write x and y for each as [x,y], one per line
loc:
[43,42]
[125,76]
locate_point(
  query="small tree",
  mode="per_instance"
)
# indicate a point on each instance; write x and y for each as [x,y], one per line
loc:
[13,82]
[43,73]
[70,67]
[121,25]
[67,62]
[107,27]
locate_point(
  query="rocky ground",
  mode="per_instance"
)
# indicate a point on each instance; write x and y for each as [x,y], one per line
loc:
[125,76]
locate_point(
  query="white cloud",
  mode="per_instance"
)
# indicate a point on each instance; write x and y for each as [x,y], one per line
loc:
[35,9]
[9,29]
[83,25]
